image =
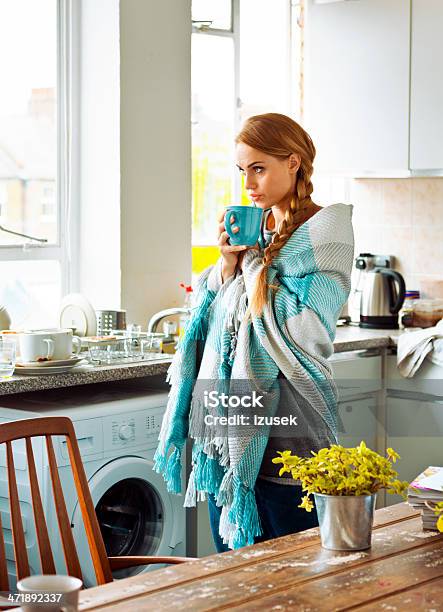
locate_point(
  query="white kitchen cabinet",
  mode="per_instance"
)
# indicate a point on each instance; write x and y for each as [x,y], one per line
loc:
[384,409]
[414,418]
[358,376]
[357,421]
[426,85]
[357,85]
[356,373]
[428,381]
[415,430]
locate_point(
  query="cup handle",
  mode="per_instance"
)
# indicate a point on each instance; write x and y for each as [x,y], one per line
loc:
[78,345]
[50,347]
[228,225]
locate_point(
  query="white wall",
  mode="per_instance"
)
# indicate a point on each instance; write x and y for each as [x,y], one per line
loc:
[401,217]
[155,154]
[100,153]
[135,154]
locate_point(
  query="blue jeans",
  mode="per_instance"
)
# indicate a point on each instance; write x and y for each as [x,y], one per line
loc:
[277,509]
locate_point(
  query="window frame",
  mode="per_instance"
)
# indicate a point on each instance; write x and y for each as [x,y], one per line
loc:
[234,34]
[235,12]
[67,172]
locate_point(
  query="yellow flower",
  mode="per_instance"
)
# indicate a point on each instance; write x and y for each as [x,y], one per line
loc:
[438,509]
[343,471]
[306,503]
[392,454]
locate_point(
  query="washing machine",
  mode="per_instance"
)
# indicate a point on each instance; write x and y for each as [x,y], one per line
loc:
[117,429]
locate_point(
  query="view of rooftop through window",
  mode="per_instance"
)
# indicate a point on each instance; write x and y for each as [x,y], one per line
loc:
[28,142]
[28,156]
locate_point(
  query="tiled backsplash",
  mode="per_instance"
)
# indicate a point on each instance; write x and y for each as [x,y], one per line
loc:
[401,217]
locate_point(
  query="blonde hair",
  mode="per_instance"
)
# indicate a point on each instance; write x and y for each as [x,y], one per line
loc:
[280,136]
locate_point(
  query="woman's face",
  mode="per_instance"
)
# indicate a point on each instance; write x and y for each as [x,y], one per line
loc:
[269,181]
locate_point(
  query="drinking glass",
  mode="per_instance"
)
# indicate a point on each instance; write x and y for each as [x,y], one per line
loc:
[7,357]
[152,346]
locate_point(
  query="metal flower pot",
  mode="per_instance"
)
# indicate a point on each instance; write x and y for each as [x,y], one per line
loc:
[345,520]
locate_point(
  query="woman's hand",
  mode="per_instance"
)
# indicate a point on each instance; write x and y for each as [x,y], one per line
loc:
[229,253]
[241,256]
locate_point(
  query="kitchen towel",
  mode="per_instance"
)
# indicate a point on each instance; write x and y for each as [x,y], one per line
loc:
[413,347]
[223,351]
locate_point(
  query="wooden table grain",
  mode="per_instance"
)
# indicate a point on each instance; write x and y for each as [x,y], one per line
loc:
[403,570]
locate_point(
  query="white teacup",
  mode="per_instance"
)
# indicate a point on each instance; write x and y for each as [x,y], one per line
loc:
[49,592]
[51,344]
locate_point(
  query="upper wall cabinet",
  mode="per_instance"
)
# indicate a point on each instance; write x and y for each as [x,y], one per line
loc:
[373,94]
[427,85]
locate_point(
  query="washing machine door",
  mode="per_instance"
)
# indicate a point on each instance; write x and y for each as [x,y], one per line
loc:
[134,511]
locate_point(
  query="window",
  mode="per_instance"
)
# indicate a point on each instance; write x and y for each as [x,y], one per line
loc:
[37,150]
[3,199]
[266,79]
[213,128]
[243,63]
[48,208]
[212,14]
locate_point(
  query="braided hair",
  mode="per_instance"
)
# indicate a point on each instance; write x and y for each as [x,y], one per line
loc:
[280,136]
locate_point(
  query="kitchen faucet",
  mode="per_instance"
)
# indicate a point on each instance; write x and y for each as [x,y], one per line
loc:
[158,316]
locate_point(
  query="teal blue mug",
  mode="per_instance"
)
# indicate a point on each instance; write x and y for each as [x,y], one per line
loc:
[248,220]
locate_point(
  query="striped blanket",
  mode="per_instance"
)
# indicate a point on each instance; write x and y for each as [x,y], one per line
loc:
[221,350]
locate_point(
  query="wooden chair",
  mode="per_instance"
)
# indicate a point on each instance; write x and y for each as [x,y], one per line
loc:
[103,565]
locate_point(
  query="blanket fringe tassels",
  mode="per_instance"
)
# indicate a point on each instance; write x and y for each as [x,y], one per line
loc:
[173,471]
[196,326]
[206,475]
[191,493]
[244,514]
[240,521]
[179,399]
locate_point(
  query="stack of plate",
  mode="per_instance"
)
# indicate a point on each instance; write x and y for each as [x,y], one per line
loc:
[55,366]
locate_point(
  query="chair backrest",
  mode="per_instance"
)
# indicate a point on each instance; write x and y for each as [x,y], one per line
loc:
[47,427]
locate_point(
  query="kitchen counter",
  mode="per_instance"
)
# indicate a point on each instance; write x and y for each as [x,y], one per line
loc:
[348,338]
[84,375]
[353,338]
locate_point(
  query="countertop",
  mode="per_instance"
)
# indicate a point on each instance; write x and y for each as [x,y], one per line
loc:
[401,571]
[84,375]
[353,338]
[348,338]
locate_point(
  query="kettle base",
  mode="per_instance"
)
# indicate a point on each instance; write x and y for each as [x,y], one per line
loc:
[390,322]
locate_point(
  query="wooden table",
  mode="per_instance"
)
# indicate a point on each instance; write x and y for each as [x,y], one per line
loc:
[402,571]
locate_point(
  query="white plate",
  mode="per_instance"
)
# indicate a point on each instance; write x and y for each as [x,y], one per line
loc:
[77,313]
[72,361]
[62,369]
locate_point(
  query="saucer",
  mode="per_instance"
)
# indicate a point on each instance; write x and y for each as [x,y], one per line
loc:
[51,369]
[71,361]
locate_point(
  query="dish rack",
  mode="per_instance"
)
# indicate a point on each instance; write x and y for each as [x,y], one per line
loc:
[123,347]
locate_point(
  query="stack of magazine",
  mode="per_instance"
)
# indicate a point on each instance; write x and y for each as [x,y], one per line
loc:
[424,492]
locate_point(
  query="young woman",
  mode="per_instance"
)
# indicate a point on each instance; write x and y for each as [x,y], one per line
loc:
[264,321]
